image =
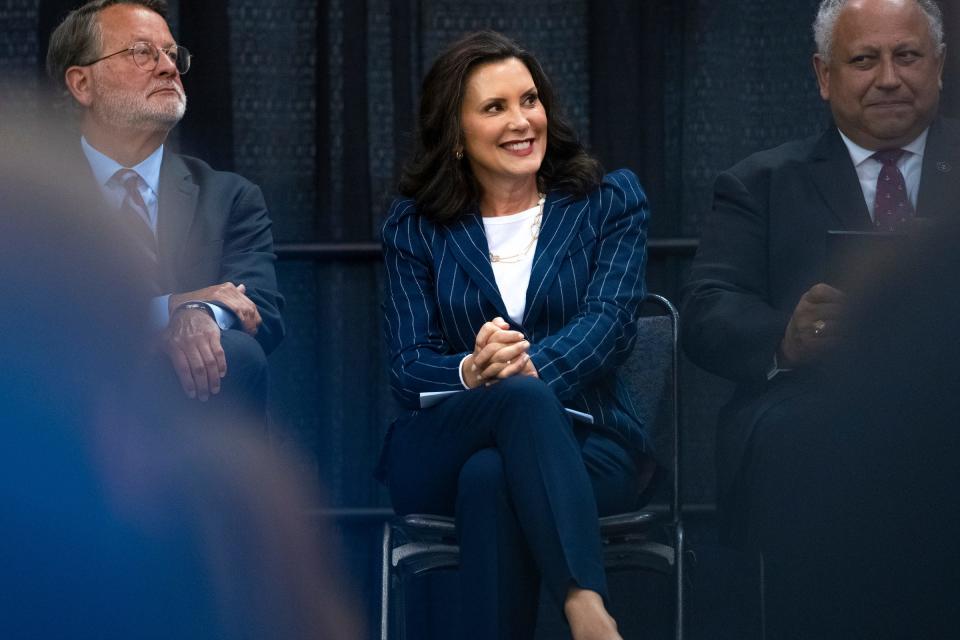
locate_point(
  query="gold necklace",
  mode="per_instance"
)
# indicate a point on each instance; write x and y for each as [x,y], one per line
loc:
[534,234]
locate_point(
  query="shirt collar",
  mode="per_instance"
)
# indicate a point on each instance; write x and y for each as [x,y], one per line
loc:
[859,155]
[104,166]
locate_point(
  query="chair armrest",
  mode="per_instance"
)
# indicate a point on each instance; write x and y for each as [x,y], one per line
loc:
[627,523]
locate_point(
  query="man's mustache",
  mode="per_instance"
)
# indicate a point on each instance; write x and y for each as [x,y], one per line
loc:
[167,86]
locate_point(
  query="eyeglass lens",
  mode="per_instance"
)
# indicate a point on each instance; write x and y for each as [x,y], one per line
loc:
[146,56]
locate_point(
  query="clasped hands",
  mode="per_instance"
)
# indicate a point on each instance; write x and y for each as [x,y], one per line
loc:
[498,353]
[816,327]
[192,338]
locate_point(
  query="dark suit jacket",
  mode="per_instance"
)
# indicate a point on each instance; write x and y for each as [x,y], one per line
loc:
[213,227]
[763,247]
[586,286]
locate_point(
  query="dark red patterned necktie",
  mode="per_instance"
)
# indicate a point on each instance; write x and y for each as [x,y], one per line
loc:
[892,205]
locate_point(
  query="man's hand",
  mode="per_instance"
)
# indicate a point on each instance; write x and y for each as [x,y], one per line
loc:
[498,353]
[192,342]
[230,296]
[814,328]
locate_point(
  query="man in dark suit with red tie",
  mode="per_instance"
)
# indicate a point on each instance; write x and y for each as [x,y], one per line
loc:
[758,308]
[204,234]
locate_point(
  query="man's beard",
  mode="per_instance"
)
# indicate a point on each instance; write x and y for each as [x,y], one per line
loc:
[132,110]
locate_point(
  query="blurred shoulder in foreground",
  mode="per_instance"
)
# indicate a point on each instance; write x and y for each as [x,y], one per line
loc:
[110,529]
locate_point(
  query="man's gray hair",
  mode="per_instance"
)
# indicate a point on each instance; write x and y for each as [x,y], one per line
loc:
[79,38]
[829,11]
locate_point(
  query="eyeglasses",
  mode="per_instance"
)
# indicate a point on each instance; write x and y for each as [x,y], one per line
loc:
[147,56]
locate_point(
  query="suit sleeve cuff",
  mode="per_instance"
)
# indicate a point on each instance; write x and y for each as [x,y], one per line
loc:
[225,318]
[159,316]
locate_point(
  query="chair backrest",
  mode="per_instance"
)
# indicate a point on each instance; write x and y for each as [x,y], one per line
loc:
[651,377]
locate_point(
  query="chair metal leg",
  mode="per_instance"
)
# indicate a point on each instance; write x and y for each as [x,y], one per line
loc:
[679,553]
[400,607]
[385,580]
[763,599]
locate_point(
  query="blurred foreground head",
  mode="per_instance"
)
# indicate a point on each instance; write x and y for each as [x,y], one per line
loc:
[892,513]
[73,303]
[899,364]
[112,530]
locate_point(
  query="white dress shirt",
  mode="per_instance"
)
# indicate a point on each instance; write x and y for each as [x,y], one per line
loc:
[868,169]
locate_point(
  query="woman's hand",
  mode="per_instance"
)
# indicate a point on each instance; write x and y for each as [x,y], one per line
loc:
[498,353]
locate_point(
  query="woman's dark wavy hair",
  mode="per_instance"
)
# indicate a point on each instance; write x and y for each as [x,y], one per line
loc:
[443,186]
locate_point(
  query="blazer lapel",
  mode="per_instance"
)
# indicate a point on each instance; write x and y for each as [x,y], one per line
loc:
[836,179]
[468,244]
[562,217]
[939,186]
[177,207]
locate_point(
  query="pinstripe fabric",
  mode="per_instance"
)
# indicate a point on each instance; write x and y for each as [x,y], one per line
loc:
[584,295]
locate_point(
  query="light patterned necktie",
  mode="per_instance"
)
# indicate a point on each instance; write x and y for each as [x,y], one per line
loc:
[134,215]
[892,206]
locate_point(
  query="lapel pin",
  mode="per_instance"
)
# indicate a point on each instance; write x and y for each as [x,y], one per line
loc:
[944,167]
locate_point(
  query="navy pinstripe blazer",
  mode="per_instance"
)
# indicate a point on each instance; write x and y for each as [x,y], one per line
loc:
[586,286]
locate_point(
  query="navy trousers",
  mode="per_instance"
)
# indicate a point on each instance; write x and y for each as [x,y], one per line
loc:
[243,391]
[526,485]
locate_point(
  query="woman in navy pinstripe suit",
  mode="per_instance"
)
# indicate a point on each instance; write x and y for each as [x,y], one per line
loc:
[515,273]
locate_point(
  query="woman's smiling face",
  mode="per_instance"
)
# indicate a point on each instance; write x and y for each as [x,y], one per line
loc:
[504,123]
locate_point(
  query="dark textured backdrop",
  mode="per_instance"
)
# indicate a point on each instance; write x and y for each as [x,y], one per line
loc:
[315,101]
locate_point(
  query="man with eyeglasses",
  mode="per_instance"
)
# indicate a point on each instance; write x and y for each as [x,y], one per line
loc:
[204,234]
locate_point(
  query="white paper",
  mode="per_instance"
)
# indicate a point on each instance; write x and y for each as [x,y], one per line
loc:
[431,398]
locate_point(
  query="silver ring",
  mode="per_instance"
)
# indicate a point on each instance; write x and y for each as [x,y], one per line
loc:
[818,327]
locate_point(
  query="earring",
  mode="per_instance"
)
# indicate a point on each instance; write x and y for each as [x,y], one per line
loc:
[458,154]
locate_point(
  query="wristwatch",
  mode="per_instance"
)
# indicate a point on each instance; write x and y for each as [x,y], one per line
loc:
[202,306]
